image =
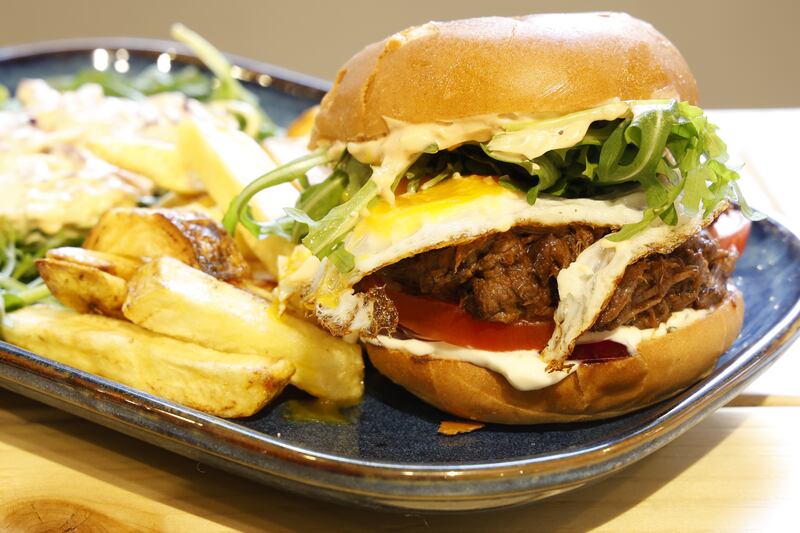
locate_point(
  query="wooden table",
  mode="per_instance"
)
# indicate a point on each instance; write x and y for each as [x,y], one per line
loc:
[737,470]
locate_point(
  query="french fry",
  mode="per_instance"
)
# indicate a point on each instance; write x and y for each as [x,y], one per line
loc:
[226,162]
[152,158]
[223,384]
[191,237]
[168,297]
[113,264]
[84,288]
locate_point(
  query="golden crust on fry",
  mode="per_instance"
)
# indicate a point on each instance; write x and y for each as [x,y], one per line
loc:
[220,383]
[193,238]
[84,288]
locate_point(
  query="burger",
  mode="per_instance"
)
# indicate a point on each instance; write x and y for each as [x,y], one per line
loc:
[518,221]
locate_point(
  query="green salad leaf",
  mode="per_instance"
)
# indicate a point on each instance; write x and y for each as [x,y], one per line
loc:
[239,212]
[189,80]
[256,123]
[20,284]
[665,148]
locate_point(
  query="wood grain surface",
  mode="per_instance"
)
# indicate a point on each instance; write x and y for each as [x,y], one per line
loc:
[737,470]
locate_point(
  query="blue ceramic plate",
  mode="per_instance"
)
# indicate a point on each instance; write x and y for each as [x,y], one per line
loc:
[391,455]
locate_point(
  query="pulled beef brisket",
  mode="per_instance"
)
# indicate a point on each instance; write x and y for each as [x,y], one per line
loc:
[502,277]
[694,275]
[511,276]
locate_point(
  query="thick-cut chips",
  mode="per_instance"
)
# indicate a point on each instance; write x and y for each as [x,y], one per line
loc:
[171,298]
[222,384]
[193,238]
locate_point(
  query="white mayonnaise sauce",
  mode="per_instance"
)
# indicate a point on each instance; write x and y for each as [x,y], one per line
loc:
[392,154]
[523,369]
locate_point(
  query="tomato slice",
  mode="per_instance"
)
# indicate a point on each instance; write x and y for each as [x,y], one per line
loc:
[433,319]
[731,229]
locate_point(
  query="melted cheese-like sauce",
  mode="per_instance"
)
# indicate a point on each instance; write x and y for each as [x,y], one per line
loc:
[512,133]
[71,188]
[51,174]
[525,370]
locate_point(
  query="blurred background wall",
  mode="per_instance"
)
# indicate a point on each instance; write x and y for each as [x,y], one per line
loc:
[743,53]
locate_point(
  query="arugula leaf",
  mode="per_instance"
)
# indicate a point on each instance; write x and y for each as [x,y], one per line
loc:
[341,258]
[238,211]
[324,213]
[665,148]
[228,88]
[298,215]
[648,131]
[20,284]
[113,83]
[330,231]
[318,199]
[188,80]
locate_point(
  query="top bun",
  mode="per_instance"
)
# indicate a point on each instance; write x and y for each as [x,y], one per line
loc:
[552,63]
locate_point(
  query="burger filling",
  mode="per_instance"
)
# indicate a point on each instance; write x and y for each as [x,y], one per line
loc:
[606,208]
[511,277]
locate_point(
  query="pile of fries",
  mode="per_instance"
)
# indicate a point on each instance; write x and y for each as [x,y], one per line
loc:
[165,301]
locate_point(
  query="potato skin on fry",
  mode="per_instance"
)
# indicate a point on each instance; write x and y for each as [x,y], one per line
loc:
[84,288]
[116,265]
[226,162]
[168,297]
[193,238]
[222,384]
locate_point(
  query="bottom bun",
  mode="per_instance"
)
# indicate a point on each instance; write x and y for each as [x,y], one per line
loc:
[664,366]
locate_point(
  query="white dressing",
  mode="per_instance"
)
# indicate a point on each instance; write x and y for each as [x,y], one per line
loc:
[515,133]
[525,369]
[631,337]
[540,136]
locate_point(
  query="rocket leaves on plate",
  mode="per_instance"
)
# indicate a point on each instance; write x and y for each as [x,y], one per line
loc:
[20,284]
[189,80]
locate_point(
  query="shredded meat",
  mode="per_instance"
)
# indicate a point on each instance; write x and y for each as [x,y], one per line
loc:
[511,276]
[503,277]
[694,275]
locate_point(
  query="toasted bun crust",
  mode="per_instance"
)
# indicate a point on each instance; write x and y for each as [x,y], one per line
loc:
[664,366]
[553,63]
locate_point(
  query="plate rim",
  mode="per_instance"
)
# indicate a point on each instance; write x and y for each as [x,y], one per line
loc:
[146,46]
[390,478]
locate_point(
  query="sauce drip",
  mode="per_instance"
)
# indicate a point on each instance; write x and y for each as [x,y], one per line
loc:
[321,411]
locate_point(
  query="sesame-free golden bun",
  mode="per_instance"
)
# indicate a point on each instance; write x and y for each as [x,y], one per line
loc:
[549,64]
[662,367]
